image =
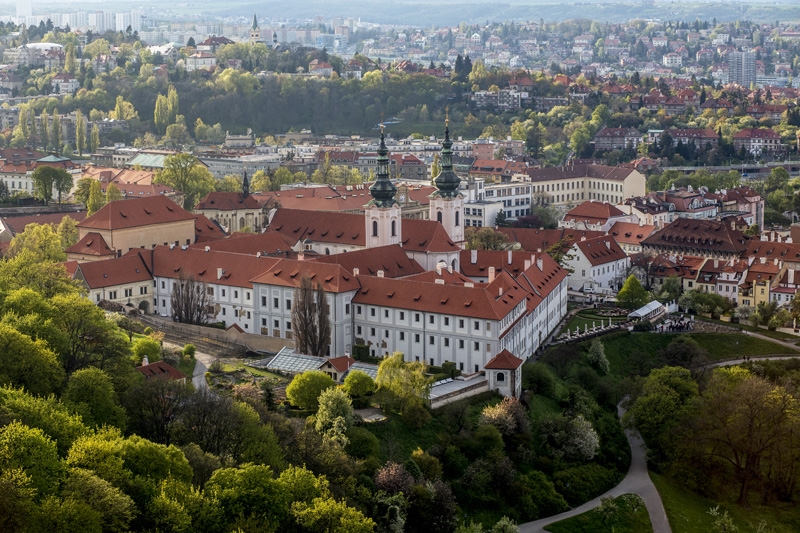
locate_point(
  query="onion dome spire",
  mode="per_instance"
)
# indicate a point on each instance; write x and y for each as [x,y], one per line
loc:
[447,181]
[383,190]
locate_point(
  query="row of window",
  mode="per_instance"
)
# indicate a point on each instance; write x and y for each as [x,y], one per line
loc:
[418,318]
[418,338]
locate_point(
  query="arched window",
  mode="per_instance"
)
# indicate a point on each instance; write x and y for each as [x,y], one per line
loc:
[394,228]
[501,376]
[439,216]
[458,221]
[374,228]
[327,251]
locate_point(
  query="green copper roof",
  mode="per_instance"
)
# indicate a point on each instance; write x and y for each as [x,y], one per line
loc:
[383,190]
[447,181]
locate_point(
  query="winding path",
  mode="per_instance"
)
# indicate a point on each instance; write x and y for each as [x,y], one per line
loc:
[200,368]
[636,481]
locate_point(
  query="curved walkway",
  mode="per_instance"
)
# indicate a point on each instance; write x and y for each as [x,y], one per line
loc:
[636,481]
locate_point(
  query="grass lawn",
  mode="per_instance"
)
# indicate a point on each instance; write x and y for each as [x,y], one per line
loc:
[620,347]
[250,370]
[627,519]
[688,512]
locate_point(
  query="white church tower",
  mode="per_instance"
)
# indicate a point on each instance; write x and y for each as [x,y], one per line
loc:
[447,204]
[383,218]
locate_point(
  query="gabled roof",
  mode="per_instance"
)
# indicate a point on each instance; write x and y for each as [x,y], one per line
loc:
[630,232]
[579,170]
[135,213]
[536,240]
[601,250]
[493,301]
[326,226]
[113,272]
[220,268]
[249,244]
[392,260]
[206,230]
[504,361]
[594,212]
[228,201]
[17,224]
[162,370]
[426,236]
[91,244]
[289,273]
[341,364]
[709,235]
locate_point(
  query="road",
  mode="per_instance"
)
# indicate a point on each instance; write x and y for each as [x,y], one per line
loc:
[636,481]
[200,368]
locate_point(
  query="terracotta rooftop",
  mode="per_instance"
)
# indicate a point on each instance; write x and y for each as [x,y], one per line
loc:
[708,235]
[601,250]
[593,212]
[392,260]
[289,273]
[228,201]
[18,224]
[162,370]
[504,361]
[92,244]
[136,212]
[579,171]
[335,228]
[269,243]
[630,232]
[118,271]
[206,231]
[533,240]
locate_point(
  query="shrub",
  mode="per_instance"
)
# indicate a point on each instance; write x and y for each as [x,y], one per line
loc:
[415,415]
[582,483]
[537,378]
[305,388]
[643,326]
[597,357]
[148,331]
[362,443]
[359,386]
[189,350]
[216,367]
[393,478]
[145,346]
[509,417]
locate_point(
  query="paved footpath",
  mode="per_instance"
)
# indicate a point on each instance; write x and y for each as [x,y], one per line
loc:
[637,481]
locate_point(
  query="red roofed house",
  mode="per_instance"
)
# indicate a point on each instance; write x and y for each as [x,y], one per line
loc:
[617,139]
[629,235]
[140,223]
[504,374]
[757,141]
[126,281]
[337,367]
[598,265]
[160,370]
[595,216]
[234,211]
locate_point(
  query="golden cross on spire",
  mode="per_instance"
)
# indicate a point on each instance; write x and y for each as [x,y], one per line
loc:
[382,124]
[447,116]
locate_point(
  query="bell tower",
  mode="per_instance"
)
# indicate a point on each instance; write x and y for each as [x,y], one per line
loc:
[383,216]
[447,204]
[255,31]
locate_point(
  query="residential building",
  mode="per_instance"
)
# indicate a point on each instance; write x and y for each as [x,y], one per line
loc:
[742,68]
[702,238]
[569,185]
[595,216]
[598,265]
[617,139]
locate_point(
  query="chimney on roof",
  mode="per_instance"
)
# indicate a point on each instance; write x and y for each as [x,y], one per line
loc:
[473,256]
[380,273]
[171,245]
[145,361]
[439,281]
[716,263]
[527,264]
[491,274]
[438,269]
[207,248]
[469,284]
[583,238]
[791,276]
[450,268]
[220,272]
[301,255]
[539,264]
[510,255]
[500,291]
[355,272]
[608,244]
[776,261]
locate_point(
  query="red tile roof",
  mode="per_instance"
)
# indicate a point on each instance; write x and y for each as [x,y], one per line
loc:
[697,235]
[579,171]
[119,271]
[17,224]
[92,244]
[504,361]
[249,243]
[341,364]
[426,236]
[228,201]
[533,240]
[137,212]
[601,250]
[289,272]
[206,231]
[392,260]
[335,228]
[493,301]
[630,232]
[593,212]
[161,370]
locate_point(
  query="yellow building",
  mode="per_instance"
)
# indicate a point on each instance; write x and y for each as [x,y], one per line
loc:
[572,184]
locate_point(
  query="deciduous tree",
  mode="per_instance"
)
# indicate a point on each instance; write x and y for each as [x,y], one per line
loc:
[184,172]
[311,319]
[190,301]
[305,389]
[632,295]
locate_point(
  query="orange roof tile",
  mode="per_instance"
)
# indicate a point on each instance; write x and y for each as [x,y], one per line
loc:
[504,361]
[136,212]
